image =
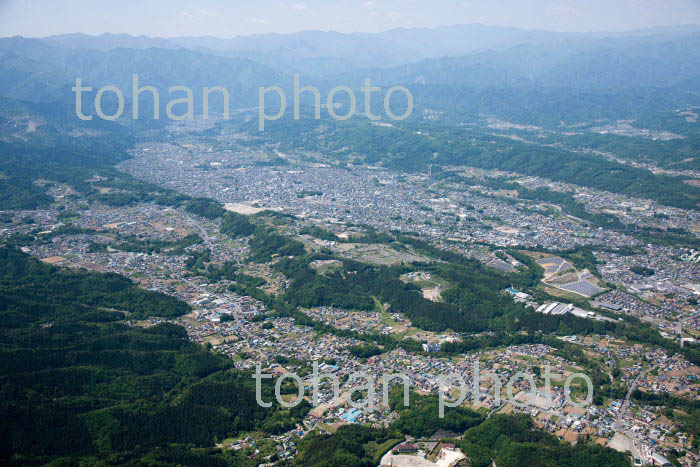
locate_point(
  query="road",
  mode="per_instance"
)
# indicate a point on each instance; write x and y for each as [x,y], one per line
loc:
[625,404]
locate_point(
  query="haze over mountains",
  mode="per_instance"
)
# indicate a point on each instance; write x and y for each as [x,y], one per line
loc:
[385,49]
[176,281]
[489,67]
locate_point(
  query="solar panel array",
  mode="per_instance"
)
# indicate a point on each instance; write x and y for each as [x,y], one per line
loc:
[554,264]
[581,287]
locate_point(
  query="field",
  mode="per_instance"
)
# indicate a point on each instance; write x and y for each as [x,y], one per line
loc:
[379,253]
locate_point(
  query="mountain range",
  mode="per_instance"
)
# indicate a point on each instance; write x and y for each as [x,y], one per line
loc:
[458,70]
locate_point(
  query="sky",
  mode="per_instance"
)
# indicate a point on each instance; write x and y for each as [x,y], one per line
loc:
[229,18]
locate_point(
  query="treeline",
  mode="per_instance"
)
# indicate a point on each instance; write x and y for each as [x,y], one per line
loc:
[236,225]
[405,148]
[503,440]
[653,235]
[642,271]
[320,233]
[52,289]
[123,190]
[350,446]
[682,409]
[581,169]
[513,441]
[21,194]
[571,206]
[421,418]
[676,153]
[205,207]
[75,382]
[59,158]
[474,303]
[279,307]
[337,288]
[365,350]
[267,243]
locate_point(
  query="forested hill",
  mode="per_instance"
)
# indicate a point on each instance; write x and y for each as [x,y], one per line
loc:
[503,440]
[42,144]
[77,383]
[415,147]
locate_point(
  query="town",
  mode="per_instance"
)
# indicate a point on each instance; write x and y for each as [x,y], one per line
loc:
[588,272]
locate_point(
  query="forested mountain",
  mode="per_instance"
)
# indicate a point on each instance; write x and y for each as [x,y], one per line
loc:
[77,382]
[405,147]
[457,75]
[466,57]
[462,72]
[574,63]
[34,71]
[107,41]
[376,49]
[384,49]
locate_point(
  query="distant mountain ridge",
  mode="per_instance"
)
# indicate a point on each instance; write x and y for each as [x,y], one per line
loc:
[383,49]
[463,71]
[471,55]
[35,71]
[107,41]
[612,63]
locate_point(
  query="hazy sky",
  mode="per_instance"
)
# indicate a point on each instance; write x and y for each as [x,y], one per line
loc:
[227,18]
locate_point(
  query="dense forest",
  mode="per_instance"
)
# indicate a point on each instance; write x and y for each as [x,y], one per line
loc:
[76,381]
[475,302]
[175,247]
[512,440]
[421,418]
[507,440]
[350,446]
